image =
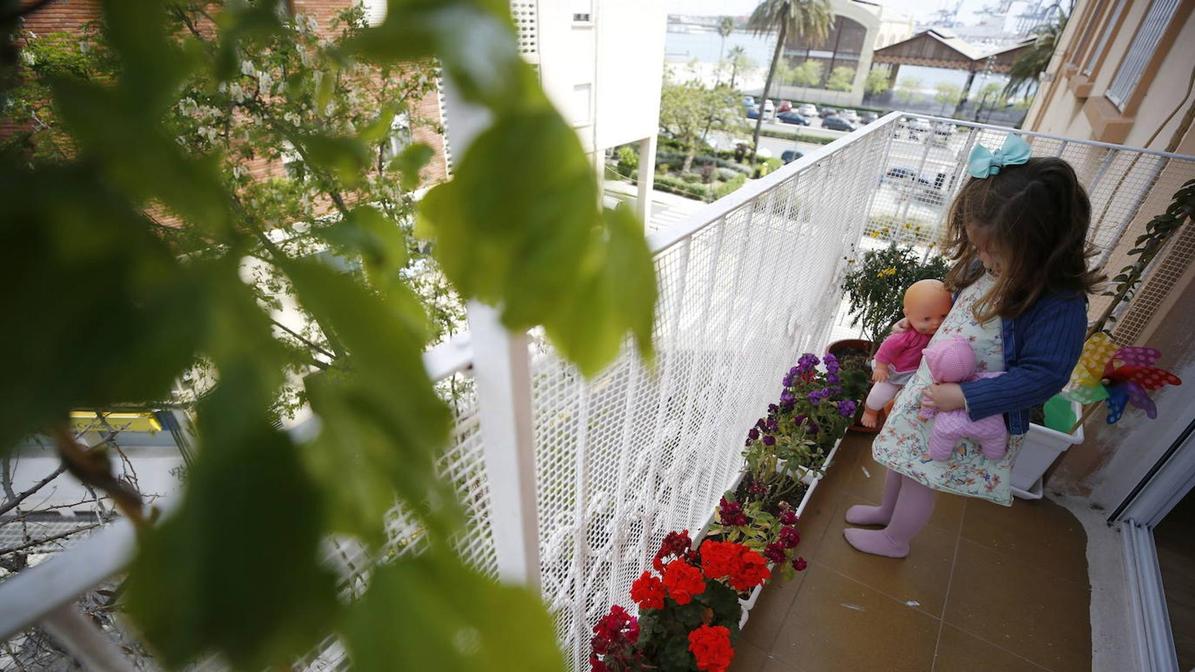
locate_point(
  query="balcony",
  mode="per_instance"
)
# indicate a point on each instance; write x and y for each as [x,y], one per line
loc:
[572,483]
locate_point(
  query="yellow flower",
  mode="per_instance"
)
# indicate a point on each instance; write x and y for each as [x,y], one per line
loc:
[886,273]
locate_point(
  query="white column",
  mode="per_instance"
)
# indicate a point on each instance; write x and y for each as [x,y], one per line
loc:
[647,177]
[502,371]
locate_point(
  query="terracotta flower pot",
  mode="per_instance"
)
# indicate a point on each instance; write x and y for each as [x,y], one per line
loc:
[859,345]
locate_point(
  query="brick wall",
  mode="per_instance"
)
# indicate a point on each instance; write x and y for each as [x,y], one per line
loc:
[73,15]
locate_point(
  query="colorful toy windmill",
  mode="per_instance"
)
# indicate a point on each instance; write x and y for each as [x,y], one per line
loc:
[1118,375]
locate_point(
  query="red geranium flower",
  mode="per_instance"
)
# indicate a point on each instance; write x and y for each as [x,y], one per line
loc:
[711,647]
[719,559]
[683,581]
[648,592]
[753,571]
[799,564]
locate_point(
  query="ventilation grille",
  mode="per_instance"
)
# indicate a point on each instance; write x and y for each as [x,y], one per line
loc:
[1160,282]
[524,14]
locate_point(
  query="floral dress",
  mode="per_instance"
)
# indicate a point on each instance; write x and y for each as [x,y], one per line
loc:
[902,444]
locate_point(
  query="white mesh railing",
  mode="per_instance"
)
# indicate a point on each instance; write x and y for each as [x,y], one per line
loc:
[570,484]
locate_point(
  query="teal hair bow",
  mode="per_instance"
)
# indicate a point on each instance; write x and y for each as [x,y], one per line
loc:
[983,162]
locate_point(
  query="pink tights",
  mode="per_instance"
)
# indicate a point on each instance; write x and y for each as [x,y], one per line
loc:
[905,509]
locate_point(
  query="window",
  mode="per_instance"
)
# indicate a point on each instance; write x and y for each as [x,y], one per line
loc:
[582,11]
[582,93]
[1105,38]
[1090,21]
[399,138]
[1141,51]
[375,11]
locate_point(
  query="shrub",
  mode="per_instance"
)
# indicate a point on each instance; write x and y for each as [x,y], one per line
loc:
[876,285]
[730,185]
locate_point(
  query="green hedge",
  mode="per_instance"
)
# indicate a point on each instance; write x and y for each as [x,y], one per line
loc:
[798,136]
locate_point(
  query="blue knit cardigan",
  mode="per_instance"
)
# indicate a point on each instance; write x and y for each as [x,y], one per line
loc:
[1041,347]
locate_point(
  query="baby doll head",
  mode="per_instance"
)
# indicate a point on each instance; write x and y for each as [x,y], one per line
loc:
[950,361]
[926,305]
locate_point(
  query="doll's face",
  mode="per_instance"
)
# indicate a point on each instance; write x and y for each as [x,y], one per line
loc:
[925,317]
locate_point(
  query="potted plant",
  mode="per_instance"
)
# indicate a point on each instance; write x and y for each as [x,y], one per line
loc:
[689,611]
[1060,424]
[875,286]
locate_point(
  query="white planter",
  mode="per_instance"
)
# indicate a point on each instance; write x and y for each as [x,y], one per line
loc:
[1042,446]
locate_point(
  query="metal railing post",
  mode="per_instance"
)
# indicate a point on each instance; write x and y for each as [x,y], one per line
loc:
[502,370]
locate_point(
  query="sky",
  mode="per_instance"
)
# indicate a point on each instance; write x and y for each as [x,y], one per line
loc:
[921,10]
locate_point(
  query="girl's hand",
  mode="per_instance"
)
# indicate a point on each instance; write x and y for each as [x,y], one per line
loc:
[944,397]
[901,326]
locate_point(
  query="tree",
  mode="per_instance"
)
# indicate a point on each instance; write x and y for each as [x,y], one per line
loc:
[739,63]
[789,19]
[132,211]
[1026,70]
[688,111]
[725,28]
[841,79]
[992,95]
[877,82]
[808,74]
[908,90]
[946,93]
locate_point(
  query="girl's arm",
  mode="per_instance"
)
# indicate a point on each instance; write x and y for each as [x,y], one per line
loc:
[1053,343]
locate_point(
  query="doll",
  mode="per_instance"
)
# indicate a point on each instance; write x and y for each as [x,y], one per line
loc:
[953,361]
[926,304]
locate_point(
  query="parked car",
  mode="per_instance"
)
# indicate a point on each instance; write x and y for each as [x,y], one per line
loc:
[827,112]
[917,128]
[868,117]
[837,124]
[749,101]
[807,110]
[942,133]
[898,175]
[753,113]
[792,118]
[790,155]
[785,106]
[850,115]
[769,109]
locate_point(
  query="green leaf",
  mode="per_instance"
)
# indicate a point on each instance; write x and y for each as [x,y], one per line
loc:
[103,312]
[386,403]
[378,129]
[410,162]
[343,157]
[235,569]
[431,612]
[377,238]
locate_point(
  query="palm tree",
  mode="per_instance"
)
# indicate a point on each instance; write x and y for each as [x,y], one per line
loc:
[725,28]
[738,63]
[1026,70]
[807,19]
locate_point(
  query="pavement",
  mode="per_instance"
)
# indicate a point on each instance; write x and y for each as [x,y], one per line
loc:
[666,209]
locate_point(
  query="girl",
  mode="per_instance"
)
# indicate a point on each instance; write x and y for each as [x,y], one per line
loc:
[1017,234]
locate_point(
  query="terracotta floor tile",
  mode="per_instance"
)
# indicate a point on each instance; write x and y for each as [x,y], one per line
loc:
[1039,533]
[865,479]
[919,580]
[748,657]
[960,652]
[1019,607]
[767,616]
[837,624]
[816,517]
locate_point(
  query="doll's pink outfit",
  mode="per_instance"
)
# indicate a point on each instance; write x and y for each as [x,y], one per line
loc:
[902,353]
[953,361]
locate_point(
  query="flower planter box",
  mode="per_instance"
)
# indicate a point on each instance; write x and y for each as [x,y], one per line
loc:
[748,603]
[1042,446]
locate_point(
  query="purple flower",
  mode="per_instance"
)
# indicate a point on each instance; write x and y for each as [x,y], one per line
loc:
[760,423]
[753,434]
[772,408]
[816,396]
[805,364]
[831,363]
[787,397]
[772,425]
[832,378]
[846,408]
[769,440]
[788,517]
[794,371]
[788,381]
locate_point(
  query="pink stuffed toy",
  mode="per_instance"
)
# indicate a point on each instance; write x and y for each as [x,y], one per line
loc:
[953,361]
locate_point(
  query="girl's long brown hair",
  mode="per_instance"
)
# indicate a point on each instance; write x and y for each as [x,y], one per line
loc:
[1035,216]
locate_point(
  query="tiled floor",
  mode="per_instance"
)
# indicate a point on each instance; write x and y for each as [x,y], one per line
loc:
[985,588]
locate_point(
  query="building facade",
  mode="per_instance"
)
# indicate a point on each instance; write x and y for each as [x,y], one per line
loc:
[1122,73]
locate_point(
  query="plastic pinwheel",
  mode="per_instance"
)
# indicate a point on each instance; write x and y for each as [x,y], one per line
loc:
[1119,375]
